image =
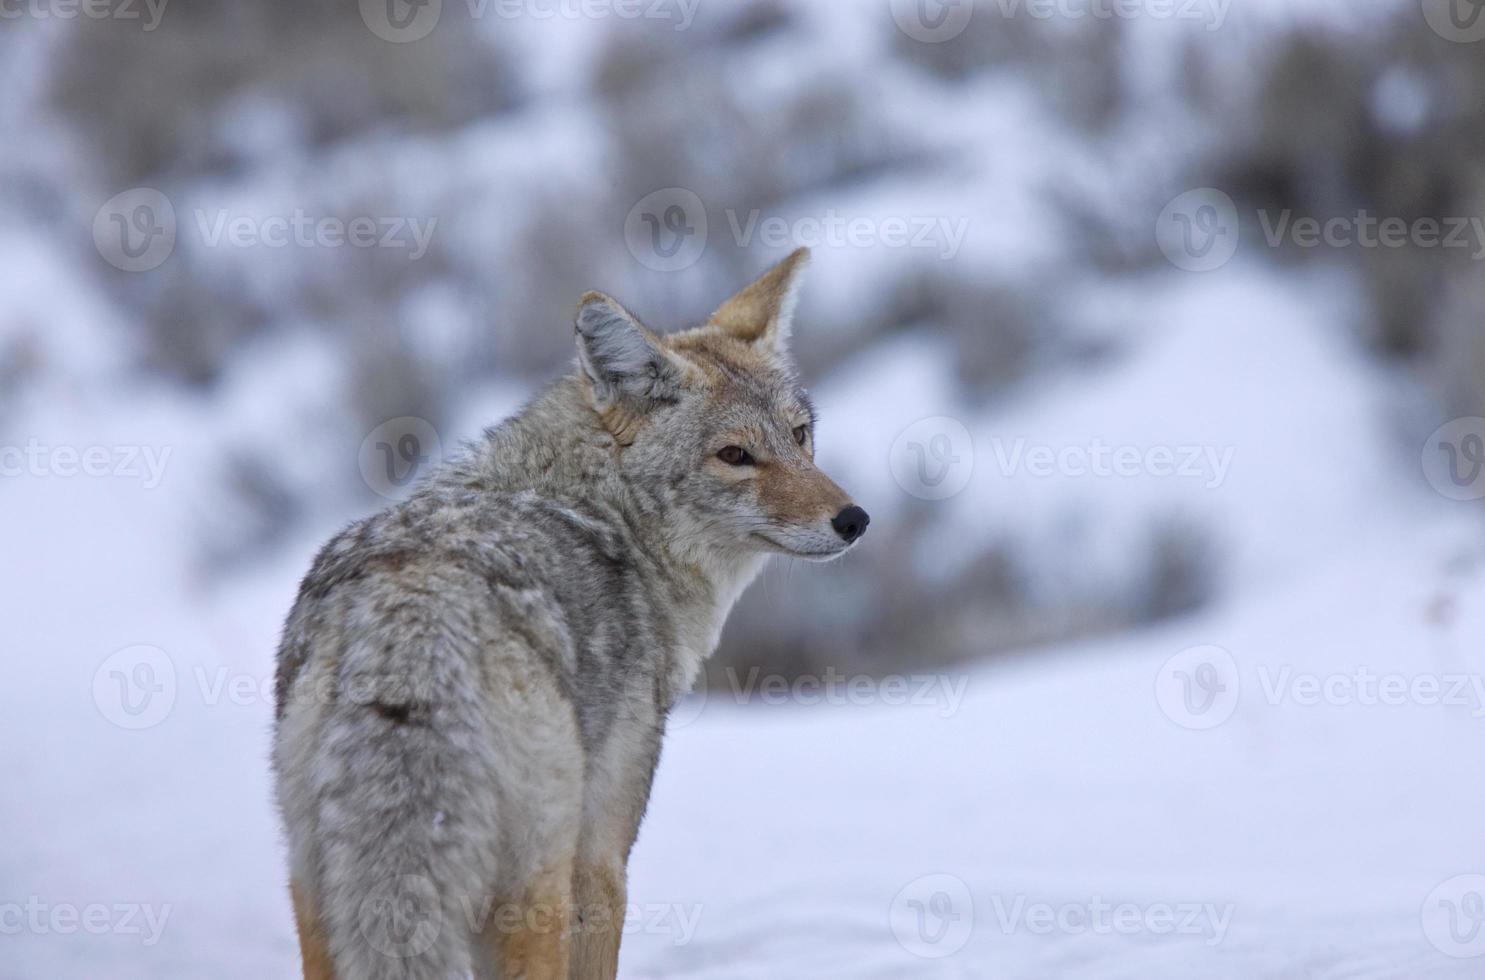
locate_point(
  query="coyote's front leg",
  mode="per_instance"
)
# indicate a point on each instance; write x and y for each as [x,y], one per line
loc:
[599,897]
[535,944]
[615,794]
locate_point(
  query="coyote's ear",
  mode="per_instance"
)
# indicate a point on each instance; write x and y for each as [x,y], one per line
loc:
[621,359]
[763,312]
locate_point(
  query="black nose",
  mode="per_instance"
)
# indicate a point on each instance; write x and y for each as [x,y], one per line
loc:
[850,523]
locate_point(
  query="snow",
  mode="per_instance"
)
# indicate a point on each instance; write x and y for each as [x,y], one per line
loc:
[792,839]
[1060,781]
[837,833]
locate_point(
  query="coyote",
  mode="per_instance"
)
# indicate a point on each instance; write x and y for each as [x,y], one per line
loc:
[473,684]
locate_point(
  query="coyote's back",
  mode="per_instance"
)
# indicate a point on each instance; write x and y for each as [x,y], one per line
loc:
[472,685]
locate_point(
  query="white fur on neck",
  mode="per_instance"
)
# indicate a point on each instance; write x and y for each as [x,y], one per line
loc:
[701,628]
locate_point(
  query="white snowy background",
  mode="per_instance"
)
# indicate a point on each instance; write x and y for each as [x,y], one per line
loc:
[1217,712]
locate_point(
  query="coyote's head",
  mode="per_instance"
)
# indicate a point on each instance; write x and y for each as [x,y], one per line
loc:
[712,425]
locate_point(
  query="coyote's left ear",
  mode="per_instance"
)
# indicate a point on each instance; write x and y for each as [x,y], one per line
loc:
[763,313]
[626,366]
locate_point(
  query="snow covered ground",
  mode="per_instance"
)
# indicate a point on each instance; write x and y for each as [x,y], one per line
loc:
[1067,806]
[1281,785]
[1077,829]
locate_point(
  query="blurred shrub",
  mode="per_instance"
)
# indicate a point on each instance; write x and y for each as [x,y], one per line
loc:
[1388,123]
[218,84]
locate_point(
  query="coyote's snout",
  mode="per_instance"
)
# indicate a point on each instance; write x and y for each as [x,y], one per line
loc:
[472,685]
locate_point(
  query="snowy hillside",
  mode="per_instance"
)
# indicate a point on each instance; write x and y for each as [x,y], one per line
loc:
[1163,655]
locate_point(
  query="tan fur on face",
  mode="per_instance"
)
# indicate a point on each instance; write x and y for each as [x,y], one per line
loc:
[799,494]
[791,489]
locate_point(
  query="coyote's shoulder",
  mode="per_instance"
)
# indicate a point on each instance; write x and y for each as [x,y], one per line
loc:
[473,684]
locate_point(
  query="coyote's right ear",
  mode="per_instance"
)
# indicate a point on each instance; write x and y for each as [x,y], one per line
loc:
[624,363]
[763,313]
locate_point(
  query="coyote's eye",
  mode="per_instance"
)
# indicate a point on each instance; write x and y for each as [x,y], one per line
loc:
[735,456]
[801,433]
